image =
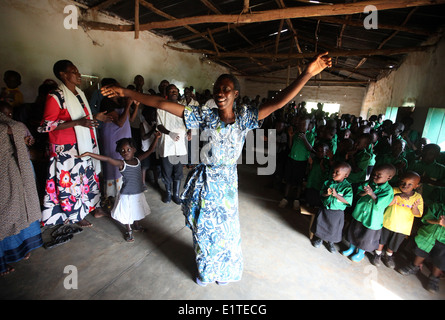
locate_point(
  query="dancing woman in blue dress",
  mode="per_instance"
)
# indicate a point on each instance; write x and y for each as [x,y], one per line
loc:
[210,196]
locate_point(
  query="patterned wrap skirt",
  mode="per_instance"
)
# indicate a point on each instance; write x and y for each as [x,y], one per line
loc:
[210,207]
[14,248]
[72,187]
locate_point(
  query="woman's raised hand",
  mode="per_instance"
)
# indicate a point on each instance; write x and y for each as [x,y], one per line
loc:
[112,91]
[319,63]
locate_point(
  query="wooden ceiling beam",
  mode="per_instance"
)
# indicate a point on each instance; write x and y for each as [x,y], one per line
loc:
[318,81]
[333,53]
[388,38]
[290,25]
[212,7]
[356,23]
[270,15]
[151,7]
[104,5]
[136,19]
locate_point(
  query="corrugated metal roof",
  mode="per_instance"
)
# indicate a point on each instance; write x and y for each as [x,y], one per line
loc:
[256,49]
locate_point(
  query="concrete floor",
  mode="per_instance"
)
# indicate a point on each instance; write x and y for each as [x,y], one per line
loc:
[279,260]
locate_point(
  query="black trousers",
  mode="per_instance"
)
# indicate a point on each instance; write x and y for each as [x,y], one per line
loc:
[171,170]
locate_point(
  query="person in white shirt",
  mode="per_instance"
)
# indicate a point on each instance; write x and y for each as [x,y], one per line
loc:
[172,149]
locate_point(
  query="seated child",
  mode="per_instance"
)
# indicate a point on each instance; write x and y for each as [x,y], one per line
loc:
[398,218]
[430,243]
[366,226]
[336,195]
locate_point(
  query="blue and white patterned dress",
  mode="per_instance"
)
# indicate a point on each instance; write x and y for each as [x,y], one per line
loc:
[210,196]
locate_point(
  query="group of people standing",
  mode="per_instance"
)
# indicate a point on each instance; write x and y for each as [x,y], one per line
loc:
[90,140]
[365,181]
[209,198]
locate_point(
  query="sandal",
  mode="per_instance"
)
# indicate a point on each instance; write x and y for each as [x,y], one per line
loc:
[58,241]
[65,230]
[129,236]
[138,228]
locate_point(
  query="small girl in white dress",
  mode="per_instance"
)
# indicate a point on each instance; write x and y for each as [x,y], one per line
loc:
[130,206]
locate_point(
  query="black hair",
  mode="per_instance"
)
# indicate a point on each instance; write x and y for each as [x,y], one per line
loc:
[431,146]
[61,66]
[148,111]
[12,73]
[107,81]
[386,167]
[342,164]
[232,78]
[320,145]
[4,105]
[410,174]
[171,85]
[123,141]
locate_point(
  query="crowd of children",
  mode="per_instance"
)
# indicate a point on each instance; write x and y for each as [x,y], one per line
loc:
[366,179]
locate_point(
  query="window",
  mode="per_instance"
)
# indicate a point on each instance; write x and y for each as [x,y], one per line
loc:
[391,113]
[434,128]
[327,107]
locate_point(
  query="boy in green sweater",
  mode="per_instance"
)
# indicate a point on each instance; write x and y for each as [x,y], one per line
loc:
[366,226]
[430,242]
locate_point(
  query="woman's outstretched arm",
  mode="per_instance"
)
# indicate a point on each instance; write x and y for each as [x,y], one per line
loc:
[115,162]
[146,99]
[317,65]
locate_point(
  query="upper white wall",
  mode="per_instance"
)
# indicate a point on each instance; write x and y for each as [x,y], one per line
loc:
[419,80]
[350,98]
[34,38]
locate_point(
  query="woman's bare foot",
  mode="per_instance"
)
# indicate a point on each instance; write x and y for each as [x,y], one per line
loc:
[26,257]
[85,223]
[9,269]
[99,213]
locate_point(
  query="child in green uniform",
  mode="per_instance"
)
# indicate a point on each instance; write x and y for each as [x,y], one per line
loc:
[399,217]
[344,146]
[374,139]
[432,173]
[336,195]
[301,141]
[412,155]
[430,242]
[359,160]
[396,158]
[318,172]
[373,198]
